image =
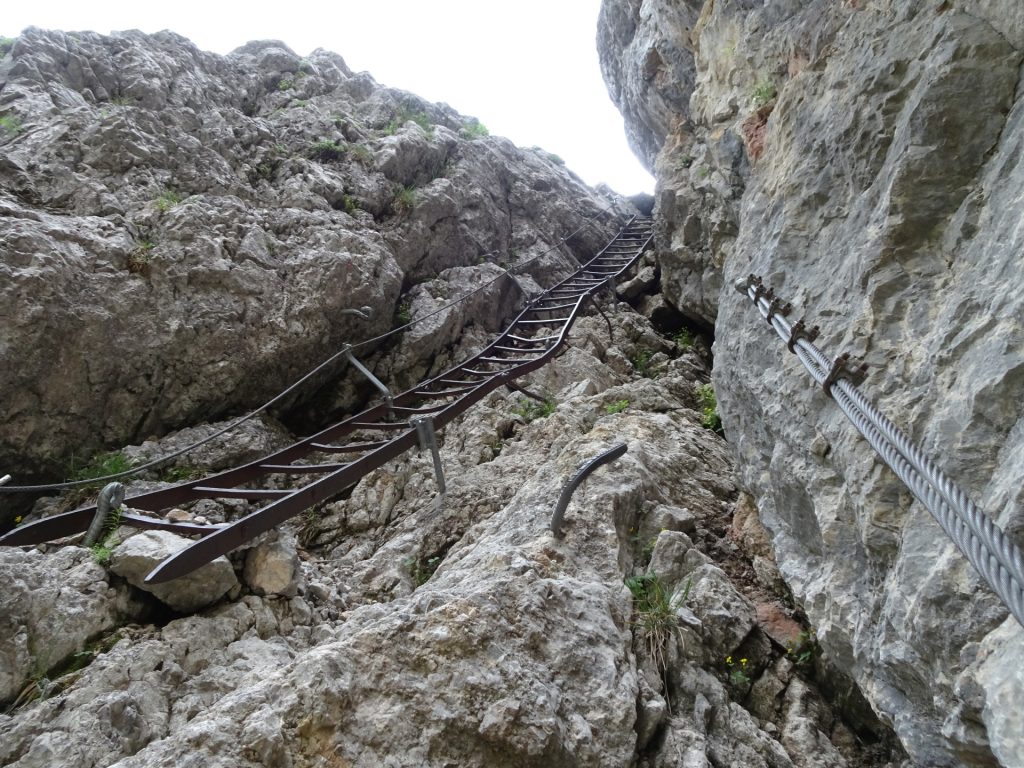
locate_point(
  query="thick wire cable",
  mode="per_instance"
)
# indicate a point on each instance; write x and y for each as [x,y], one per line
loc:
[993,554]
[70,484]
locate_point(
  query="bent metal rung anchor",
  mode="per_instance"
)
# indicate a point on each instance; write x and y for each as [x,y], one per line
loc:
[111,497]
[428,440]
[570,487]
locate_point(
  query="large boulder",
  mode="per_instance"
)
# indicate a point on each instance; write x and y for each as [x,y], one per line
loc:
[134,558]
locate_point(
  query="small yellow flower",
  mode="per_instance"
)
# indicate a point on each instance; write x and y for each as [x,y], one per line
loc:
[728,660]
[17,519]
[743,662]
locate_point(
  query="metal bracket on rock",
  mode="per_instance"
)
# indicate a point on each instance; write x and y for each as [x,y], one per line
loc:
[760,289]
[799,331]
[777,307]
[373,379]
[110,498]
[581,474]
[843,368]
[428,441]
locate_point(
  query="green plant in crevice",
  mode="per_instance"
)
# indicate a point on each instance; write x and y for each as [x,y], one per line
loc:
[422,570]
[167,200]
[529,409]
[404,200]
[350,205]
[6,43]
[10,124]
[104,548]
[641,362]
[804,649]
[181,474]
[709,408]
[474,130]
[644,549]
[100,465]
[140,257]
[101,553]
[285,83]
[684,339]
[326,150]
[405,115]
[404,313]
[763,93]
[654,614]
[739,671]
[361,154]
[617,407]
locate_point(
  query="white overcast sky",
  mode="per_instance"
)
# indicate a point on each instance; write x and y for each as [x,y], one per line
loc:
[527,69]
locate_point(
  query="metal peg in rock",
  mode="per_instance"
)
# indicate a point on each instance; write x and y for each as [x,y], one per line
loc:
[111,497]
[582,473]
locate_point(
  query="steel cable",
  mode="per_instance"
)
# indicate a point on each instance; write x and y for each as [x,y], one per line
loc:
[68,485]
[979,538]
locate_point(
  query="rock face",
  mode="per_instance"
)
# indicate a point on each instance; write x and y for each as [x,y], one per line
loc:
[183,232]
[53,606]
[864,158]
[462,633]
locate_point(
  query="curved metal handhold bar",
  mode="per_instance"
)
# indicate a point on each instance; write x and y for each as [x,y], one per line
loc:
[581,474]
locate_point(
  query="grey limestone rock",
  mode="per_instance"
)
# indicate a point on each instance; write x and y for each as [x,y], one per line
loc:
[272,567]
[460,633]
[864,159]
[183,231]
[52,606]
[135,557]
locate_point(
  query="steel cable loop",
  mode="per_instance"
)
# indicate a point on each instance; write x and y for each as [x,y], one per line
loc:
[68,485]
[979,538]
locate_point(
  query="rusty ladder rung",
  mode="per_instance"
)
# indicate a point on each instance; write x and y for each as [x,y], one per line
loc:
[350,448]
[301,469]
[238,493]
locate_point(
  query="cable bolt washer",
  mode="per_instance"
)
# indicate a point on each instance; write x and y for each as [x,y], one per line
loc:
[799,330]
[844,367]
[777,306]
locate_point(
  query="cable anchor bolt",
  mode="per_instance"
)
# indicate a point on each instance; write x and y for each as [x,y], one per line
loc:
[844,367]
[777,307]
[798,331]
[760,289]
[110,498]
[744,284]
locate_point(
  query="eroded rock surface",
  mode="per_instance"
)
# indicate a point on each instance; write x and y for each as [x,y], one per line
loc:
[427,632]
[864,158]
[184,232]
